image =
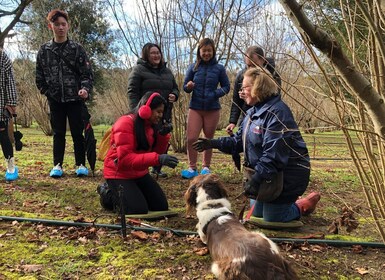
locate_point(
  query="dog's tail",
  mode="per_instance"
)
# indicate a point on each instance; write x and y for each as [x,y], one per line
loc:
[290,273]
[229,270]
[283,272]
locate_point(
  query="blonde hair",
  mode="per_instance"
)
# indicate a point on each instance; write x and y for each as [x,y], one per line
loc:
[264,85]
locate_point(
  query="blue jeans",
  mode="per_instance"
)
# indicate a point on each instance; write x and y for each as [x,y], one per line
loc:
[284,212]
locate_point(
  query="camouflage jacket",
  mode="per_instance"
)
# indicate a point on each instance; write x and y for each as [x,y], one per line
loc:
[62,70]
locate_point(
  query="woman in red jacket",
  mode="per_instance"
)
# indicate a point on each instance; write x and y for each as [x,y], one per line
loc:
[135,146]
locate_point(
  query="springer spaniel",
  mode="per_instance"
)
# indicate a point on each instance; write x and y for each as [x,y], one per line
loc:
[237,253]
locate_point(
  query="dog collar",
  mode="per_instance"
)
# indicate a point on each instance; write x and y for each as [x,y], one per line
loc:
[204,229]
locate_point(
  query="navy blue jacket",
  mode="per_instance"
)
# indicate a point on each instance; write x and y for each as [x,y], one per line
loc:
[273,144]
[144,78]
[206,94]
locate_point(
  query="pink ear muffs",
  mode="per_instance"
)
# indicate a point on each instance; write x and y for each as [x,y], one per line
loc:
[145,110]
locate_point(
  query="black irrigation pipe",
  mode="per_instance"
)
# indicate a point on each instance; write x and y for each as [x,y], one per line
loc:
[84,224]
[335,243]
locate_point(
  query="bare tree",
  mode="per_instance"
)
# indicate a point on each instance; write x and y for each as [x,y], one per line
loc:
[355,81]
[14,9]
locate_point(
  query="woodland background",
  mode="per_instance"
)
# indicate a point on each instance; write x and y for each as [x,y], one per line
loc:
[330,55]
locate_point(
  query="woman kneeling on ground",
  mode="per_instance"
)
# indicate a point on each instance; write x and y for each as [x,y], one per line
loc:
[274,151]
[135,146]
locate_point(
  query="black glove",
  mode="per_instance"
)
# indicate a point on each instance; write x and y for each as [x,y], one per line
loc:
[168,160]
[204,144]
[251,187]
[165,129]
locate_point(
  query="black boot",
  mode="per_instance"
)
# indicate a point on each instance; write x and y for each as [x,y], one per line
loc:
[106,199]
[156,171]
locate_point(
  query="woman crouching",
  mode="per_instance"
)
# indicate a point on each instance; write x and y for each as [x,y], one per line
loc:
[135,146]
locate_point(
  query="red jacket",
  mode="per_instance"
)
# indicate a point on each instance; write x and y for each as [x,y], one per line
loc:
[123,160]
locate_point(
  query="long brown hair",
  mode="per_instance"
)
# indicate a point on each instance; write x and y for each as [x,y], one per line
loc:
[202,43]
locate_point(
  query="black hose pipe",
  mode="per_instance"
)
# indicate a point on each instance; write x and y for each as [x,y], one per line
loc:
[335,243]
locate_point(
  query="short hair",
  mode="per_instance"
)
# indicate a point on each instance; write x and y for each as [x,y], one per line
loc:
[255,50]
[264,85]
[146,52]
[54,14]
[201,44]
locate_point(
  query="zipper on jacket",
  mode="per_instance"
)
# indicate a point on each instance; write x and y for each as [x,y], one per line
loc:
[204,87]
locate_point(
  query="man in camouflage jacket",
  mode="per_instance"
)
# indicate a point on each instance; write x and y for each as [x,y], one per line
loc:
[64,75]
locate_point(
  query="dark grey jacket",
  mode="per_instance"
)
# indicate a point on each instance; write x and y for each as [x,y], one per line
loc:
[144,78]
[62,70]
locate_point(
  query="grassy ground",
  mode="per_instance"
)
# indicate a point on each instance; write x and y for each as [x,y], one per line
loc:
[38,251]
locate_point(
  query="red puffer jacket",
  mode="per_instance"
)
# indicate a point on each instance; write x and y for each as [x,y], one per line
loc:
[123,160]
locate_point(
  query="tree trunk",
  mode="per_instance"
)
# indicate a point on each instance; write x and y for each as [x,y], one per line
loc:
[360,85]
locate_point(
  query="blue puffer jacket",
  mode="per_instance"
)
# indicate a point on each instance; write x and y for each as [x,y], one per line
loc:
[206,94]
[273,144]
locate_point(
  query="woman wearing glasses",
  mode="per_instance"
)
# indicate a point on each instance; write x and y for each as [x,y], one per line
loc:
[273,147]
[151,74]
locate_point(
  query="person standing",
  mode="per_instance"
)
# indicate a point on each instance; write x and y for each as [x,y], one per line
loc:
[64,76]
[202,80]
[8,102]
[254,57]
[136,144]
[151,74]
[274,152]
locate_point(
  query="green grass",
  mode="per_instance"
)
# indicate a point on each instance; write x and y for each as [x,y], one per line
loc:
[97,253]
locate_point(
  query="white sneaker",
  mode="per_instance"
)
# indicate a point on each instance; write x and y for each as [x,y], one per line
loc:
[12,172]
[205,171]
[81,171]
[56,171]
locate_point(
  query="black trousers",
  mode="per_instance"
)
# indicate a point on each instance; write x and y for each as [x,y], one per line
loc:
[59,114]
[139,195]
[5,142]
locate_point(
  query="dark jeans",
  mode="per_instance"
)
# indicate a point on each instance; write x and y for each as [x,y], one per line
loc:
[59,114]
[283,212]
[139,195]
[5,142]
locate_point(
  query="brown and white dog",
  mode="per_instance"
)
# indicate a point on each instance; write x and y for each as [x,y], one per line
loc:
[236,252]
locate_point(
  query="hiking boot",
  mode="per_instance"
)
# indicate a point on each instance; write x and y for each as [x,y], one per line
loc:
[106,199]
[158,173]
[56,171]
[205,171]
[189,173]
[81,171]
[12,172]
[308,204]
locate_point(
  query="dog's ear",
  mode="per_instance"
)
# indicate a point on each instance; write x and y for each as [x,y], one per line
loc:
[190,198]
[213,187]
